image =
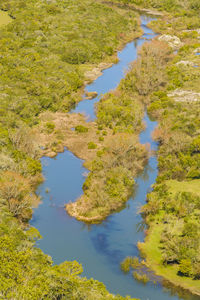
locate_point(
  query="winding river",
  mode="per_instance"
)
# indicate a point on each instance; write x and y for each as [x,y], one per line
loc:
[99,248]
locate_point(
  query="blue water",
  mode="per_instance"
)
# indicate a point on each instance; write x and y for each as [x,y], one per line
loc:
[99,248]
[111,77]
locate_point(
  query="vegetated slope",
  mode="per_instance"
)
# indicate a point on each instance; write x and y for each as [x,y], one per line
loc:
[172,211]
[45,52]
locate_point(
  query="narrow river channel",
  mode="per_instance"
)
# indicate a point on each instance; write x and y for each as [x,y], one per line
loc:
[99,248]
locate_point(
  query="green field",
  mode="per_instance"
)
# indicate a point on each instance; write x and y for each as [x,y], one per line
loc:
[152,252]
[4,18]
[192,186]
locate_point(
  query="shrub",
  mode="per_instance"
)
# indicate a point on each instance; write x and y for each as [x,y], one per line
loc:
[33,166]
[142,277]
[130,262]
[185,267]
[81,129]
[50,127]
[126,264]
[92,145]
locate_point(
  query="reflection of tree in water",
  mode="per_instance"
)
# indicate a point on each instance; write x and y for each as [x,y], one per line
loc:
[141,226]
[145,174]
[135,42]
[101,242]
[175,290]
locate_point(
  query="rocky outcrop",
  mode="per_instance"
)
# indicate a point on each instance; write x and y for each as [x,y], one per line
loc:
[186,96]
[90,95]
[96,72]
[193,30]
[185,63]
[173,41]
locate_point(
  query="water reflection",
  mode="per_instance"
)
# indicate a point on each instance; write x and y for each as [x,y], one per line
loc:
[100,248]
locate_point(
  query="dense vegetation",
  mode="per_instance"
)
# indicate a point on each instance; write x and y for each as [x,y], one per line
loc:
[44,54]
[178,210]
[172,211]
[172,6]
[110,183]
[26,273]
[45,51]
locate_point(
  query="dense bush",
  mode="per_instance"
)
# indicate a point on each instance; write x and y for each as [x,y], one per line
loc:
[177,212]
[26,273]
[44,52]
[81,129]
[110,183]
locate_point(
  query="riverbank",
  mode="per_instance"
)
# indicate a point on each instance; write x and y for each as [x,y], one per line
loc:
[151,251]
[109,146]
[171,248]
[43,69]
[71,81]
[32,90]
[172,244]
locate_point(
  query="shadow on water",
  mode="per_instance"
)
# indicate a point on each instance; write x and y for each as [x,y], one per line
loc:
[100,248]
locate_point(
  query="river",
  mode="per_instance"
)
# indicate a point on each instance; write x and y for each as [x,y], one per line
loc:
[99,248]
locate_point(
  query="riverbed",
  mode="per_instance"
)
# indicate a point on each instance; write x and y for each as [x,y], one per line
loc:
[99,248]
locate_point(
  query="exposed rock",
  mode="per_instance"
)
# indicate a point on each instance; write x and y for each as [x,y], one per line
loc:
[186,96]
[91,95]
[173,41]
[96,72]
[185,63]
[197,50]
[192,30]
[148,11]
[92,75]
[51,154]
[104,65]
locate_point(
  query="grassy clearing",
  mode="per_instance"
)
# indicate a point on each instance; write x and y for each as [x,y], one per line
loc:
[184,186]
[151,250]
[4,18]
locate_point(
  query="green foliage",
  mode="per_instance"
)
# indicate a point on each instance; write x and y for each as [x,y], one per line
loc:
[33,166]
[176,211]
[119,111]
[110,183]
[42,55]
[141,277]
[92,145]
[173,6]
[130,262]
[101,138]
[81,129]
[185,267]
[147,71]
[44,51]
[26,273]
[50,127]
[18,194]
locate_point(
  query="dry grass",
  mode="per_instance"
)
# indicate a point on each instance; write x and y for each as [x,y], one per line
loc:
[64,135]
